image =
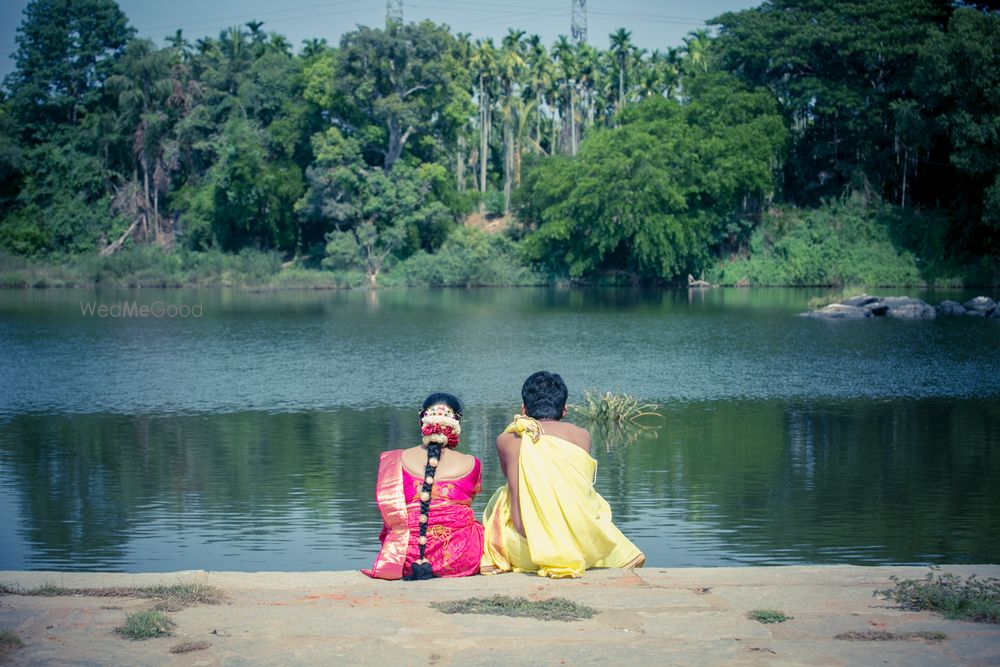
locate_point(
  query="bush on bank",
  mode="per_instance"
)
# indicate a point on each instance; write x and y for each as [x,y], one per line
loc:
[849,242]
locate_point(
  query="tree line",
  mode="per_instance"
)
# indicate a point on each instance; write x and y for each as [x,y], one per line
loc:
[356,156]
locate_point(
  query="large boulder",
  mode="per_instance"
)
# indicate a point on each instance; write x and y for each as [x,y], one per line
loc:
[860,301]
[996,314]
[951,308]
[900,301]
[913,311]
[838,311]
[876,308]
[983,304]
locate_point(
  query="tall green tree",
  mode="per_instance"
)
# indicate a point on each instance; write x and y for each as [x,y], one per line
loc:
[836,68]
[66,49]
[398,77]
[958,79]
[655,195]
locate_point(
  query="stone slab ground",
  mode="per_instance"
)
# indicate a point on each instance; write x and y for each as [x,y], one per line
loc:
[656,616]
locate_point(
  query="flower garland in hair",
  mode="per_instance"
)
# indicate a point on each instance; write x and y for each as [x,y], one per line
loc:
[439,424]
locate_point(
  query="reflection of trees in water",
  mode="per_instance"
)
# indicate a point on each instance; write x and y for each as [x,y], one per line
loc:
[853,481]
[88,483]
[896,481]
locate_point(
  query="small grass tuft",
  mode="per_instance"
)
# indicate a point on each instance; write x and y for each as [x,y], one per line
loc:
[188,647]
[145,625]
[886,636]
[948,594]
[553,609]
[179,596]
[768,616]
[614,409]
[9,641]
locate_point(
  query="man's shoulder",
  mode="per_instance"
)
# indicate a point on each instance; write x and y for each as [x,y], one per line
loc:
[577,429]
[576,434]
[574,431]
[506,440]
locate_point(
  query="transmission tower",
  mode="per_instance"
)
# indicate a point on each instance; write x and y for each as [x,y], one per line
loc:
[579,15]
[394,11]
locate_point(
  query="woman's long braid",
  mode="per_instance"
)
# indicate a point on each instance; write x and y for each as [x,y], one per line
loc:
[440,427]
[421,568]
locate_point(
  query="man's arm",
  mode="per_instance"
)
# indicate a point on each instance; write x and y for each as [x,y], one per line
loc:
[508,449]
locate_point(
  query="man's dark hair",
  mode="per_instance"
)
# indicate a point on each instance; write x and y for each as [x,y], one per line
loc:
[544,395]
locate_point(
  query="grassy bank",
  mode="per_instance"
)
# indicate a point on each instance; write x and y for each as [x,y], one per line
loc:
[468,258]
[839,244]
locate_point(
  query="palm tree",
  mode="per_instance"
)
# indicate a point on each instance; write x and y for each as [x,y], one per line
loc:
[484,66]
[180,45]
[696,47]
[279,43]
[541,74]
[589,73]
[566,57]
[511,65]
[463,52]
[621,47]
[522,111]
[313,47]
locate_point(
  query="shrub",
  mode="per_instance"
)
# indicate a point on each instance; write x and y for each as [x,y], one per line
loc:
[840,243]
[470,257]
[948,594]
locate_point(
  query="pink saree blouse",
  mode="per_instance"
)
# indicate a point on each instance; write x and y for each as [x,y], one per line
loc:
[454,537]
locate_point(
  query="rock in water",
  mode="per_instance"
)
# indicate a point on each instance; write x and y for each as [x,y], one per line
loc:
[876,308]
[951,308]
[860,301]
[984,304]
[913,311]
[900,301]
[838,311]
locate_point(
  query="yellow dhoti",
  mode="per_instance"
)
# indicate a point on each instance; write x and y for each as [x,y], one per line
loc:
[567,523]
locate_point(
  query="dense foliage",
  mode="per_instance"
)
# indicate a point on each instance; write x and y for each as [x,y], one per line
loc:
[364,160]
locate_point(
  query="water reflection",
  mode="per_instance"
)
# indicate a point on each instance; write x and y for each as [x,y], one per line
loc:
[719,482]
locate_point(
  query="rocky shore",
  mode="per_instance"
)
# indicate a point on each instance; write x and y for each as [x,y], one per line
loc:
[903,308]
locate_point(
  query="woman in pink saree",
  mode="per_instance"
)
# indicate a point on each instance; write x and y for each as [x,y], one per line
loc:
[425,496]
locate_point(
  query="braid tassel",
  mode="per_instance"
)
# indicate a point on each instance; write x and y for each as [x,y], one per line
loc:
[421,568]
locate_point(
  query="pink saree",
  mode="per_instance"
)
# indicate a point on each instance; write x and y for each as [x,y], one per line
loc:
[454,537]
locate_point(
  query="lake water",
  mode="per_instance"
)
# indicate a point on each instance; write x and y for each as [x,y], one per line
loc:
[248,438]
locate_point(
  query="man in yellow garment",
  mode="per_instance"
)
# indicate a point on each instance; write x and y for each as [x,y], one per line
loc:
[548,518]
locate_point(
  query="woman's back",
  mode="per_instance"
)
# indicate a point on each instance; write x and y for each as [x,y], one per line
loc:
[451,465]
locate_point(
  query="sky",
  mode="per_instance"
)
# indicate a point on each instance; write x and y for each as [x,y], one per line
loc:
[654,23]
